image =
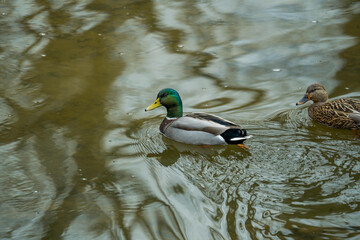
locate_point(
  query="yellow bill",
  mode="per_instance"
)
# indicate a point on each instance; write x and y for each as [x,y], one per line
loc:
[156,104]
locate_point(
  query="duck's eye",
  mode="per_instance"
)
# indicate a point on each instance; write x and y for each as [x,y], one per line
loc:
[164,95]
[312,90]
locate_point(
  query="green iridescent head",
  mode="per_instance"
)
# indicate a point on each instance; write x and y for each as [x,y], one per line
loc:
[170,99]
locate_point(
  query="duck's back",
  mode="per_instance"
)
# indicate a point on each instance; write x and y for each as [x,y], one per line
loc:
[211,118]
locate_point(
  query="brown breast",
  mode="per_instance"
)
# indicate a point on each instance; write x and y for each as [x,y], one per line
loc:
[165,123]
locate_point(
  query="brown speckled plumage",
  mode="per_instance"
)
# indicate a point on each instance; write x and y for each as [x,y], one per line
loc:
[336,113]
[339,113]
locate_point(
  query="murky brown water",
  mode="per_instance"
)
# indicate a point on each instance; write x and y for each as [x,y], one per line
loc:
[80,159]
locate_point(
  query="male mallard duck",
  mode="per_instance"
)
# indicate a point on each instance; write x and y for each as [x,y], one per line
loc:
[339,113]
[195,128]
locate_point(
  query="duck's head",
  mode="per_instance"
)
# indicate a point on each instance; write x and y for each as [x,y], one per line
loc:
[170,99]
[315,92]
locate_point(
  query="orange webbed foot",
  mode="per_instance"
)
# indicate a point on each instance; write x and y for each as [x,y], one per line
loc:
[356,134]
[243,146]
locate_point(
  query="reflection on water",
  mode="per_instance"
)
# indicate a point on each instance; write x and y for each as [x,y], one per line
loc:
[80,159]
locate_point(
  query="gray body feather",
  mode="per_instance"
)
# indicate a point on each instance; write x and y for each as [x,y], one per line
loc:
[198,128]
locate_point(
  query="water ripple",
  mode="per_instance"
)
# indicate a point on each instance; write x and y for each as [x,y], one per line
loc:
[282,167]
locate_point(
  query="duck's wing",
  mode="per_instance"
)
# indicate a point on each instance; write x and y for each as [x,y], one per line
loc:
[353,106]
[355,116]
[203,122]
[212,118]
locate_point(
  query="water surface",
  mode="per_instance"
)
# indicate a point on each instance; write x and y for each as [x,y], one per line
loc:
[80,159]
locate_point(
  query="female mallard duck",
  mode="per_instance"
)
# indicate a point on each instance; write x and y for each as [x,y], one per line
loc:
[339,113]
[195,128]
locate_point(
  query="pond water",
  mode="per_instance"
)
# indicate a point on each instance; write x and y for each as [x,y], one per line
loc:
[80,159]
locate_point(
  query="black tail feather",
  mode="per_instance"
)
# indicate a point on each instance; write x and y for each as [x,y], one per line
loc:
[231,134]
